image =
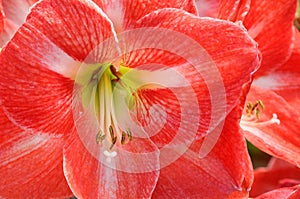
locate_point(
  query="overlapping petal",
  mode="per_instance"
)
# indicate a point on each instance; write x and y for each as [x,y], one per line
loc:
[285,81]
[277,175]
[2,15]
[234,10]
[124,13]
[284,193]
[270,23]
[16,11]
[207,8]
[14,14]
[280,140]
[234,45]
[31,163]
[224,173]
[192,169]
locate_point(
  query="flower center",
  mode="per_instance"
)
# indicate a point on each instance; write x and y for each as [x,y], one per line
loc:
[111,104]
[105,110]
[252,114]
[98,100]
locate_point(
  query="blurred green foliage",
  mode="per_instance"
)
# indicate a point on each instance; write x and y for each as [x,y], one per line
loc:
[258,157]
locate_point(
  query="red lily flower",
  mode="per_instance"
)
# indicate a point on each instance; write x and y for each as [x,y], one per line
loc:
[279,174]
[279,92]
[91,80]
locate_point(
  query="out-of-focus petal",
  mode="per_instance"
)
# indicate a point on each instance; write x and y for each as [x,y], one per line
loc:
[278,174]
[16,11]
[31,163]
[285,81]
[283,193]
[279,140]
[207,8]
[2,16]
[293,63]
[270,23]
[233,10]
[14,14]
[125,13]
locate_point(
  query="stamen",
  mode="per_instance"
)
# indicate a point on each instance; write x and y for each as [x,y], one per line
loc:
[253,113]
[273,120]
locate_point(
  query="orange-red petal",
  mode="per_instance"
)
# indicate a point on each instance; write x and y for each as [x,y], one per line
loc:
[285,81]
[270,23]
[278,174]
[125,13]
[226,172]
[91,173]
[2,16]
[207,8]
[234,10]
[35,96]
[224,42]
[76,27]
[284,193]
[31,163]
[14,14]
